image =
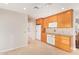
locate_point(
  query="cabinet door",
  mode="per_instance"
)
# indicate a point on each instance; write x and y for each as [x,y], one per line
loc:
[60,20]
[39,21]
[57,41]
[49,19]
[52,18]
[65,19]
[66,43]
[43,35]
[68,19]
[63,42]
[45,23]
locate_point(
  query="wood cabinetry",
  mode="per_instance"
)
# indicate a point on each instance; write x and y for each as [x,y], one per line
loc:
[68,19]
[45,24]
[52,18]
[60,20]
[39,21]
[63,42]
[44,35]
[49,19]
[65,19]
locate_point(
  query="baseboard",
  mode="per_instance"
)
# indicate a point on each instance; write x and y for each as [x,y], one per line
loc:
[6,50]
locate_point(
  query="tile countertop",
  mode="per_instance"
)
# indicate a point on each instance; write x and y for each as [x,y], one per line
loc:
[59,34]
[60,31]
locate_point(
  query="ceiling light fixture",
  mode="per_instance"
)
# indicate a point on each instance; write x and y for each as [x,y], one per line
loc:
[24,8]
[62,8]
[36,7]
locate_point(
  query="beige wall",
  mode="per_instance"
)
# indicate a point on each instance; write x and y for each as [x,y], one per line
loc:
[13,30]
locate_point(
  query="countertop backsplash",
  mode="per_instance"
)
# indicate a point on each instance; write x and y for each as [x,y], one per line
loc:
[63,31]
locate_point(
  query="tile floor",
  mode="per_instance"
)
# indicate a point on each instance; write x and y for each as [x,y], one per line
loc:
[36,47]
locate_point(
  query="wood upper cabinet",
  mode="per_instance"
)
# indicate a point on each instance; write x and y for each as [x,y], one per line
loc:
[65,19]
[45,23]
[39,21]
[60,20]
[68,18]
[49,19]
[52,18]
[63,42]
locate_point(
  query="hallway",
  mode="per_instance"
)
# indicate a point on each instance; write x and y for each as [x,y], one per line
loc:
[37,48]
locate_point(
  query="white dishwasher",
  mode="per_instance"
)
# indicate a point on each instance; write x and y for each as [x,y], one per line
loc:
[51,39]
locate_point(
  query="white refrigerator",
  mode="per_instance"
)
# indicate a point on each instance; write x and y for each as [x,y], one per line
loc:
[38,32]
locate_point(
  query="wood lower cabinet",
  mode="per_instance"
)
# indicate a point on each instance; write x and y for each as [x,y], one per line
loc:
[63,42]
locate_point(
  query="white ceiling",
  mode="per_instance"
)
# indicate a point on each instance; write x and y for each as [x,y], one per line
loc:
[43,7]
[15,6]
